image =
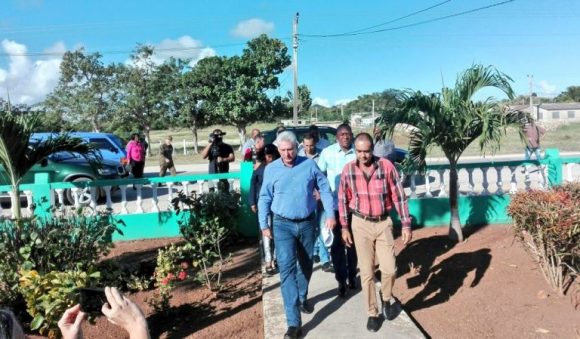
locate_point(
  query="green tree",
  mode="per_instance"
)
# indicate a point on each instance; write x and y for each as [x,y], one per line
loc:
[85,91]
[18,155]
[242,93]
[452,120]
[146,90]
[384,101]
[304,100]
[571,94]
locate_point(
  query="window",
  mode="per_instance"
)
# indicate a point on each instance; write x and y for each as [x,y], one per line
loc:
[571,114]
[102,144]
[556,115]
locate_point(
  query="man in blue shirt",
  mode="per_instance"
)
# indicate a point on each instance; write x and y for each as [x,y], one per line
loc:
[288,192]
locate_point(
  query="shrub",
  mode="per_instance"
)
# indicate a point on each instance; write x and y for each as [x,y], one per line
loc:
[65,243]
[172,266]
[548,223]
[49,295]
[211,219]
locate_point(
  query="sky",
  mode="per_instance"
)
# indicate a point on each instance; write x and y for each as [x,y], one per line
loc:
[419,45]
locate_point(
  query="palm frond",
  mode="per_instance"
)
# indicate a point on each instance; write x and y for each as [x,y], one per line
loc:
[477,77]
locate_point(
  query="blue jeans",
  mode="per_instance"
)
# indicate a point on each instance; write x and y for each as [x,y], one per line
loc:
[294,247]
[322,250]
[344,258]
[529,151]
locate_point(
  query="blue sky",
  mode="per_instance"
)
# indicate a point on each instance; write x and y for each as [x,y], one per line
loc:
[539,37]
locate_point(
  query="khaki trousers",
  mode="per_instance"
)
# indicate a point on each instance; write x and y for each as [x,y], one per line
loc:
[375,238]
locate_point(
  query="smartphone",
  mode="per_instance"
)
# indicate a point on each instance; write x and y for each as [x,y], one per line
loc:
[91,300]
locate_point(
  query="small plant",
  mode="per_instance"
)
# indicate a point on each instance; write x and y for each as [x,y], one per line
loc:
[172,266]
[211,218]
[548,223]
[49,295]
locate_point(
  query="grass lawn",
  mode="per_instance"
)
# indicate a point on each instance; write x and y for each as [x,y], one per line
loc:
[563,137]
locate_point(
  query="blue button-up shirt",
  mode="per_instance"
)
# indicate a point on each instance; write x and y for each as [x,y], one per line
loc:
[332,160]
[288,191]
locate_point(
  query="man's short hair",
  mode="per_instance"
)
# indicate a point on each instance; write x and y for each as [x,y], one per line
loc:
[287,136]
[343,126]
[365,136]
[308,136]
[313,128]
[169,137]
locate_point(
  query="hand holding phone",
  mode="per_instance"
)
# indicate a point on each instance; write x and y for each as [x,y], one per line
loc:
[92,300]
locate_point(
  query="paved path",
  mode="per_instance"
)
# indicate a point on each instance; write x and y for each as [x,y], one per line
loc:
[333,317]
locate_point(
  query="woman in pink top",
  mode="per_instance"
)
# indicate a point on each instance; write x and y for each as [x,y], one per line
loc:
[136,156]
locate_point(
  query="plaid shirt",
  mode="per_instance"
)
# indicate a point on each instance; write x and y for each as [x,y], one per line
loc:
[372,196]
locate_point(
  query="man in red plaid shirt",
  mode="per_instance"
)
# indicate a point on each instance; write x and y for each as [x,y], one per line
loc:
[369,189]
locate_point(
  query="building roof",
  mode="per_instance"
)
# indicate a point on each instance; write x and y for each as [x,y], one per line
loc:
[560,106]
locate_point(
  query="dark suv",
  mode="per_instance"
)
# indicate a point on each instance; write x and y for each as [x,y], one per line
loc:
[326,132]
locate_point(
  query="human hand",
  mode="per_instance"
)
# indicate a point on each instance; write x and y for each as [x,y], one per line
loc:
[330,223]
[166,160]
[125,313]
[407,235]
[70,323]
[254,208]
[219,159]
[267,232]
[346,238]
[316,195]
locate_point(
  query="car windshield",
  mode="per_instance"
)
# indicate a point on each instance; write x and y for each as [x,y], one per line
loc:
[63,156]
[118,141]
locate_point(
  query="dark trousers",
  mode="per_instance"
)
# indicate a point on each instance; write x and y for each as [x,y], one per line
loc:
[344,258]
[137,168]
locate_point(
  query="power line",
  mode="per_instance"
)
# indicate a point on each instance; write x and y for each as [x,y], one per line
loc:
[410,25]
[399,18]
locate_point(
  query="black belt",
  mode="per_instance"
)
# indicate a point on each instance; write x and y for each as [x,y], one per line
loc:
[371,219]
[309,217]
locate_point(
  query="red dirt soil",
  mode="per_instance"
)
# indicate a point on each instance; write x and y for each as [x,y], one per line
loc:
[485,287]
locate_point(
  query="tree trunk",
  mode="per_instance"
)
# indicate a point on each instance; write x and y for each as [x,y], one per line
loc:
[146,131]
[242,134]
[455,231]
[194,132]
[96,126]
[15,200]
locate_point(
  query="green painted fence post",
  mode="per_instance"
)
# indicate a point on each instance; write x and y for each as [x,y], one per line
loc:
[555,166]
[41,195]
[248,224]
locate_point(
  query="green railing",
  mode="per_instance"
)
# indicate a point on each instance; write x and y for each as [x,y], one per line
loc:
[477,207]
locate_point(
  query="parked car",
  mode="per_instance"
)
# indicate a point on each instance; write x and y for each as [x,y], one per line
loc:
[111,147]
[326,132]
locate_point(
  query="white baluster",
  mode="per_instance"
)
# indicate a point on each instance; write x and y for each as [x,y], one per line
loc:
[29,201]
[427,185]
[485,183]
[13,206]
[231,184]
[155,207]
[123,199]
[569,172]
[170,192]
[185,185]
[527,180]
[442,192]
[60,197]
[139,201]
[93,203]
[75,193]
[543,170]
[413,186]
[470,185]
[499,181]
[107,190]
[513,180]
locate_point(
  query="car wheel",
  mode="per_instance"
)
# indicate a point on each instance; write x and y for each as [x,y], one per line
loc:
[85,196]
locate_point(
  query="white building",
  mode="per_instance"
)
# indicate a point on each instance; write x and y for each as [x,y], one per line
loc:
[565,111]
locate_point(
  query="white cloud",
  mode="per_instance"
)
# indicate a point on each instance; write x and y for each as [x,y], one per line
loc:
[342,102]
[547,89]
[184,47]
[26,80]
[321,101]
[252,28]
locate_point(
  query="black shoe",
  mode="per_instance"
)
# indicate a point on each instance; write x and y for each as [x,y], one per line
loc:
[293,332]
[306,307]
[351,284]
[327,267]
[373,324]
[389,310]
[342,290]
[316,258]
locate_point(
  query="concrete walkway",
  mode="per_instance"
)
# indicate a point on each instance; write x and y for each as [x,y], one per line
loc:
[333,317]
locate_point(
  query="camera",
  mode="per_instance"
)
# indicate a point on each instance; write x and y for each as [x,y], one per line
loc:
[91,300]
[214,137]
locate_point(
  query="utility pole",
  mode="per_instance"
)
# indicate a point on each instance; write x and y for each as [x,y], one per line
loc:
[295,67]
[373,111]
[531,81]
[342,111]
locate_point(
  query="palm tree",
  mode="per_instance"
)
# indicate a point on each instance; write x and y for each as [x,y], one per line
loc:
[452,120]
[18,154]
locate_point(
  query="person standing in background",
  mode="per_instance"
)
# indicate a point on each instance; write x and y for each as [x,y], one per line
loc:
[533,134]
[136,155]
[166,157]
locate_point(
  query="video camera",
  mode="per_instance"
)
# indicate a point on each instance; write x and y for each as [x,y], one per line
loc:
[216,135]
